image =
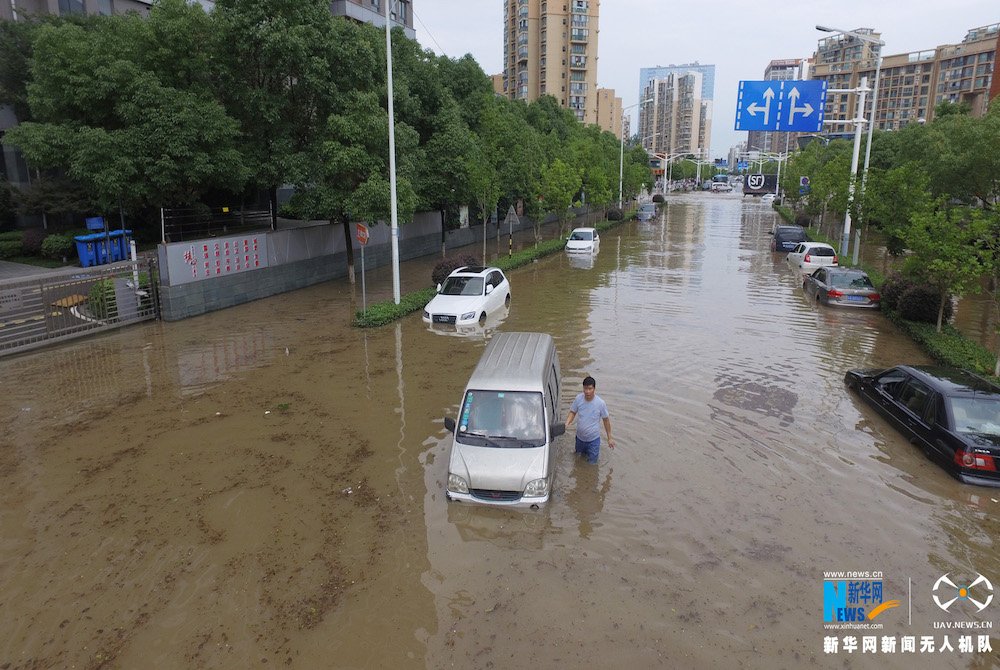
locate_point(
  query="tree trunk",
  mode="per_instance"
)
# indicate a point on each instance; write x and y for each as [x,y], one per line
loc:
[940,319]
[272,197]
[444,241]
[350,248]
[486,223]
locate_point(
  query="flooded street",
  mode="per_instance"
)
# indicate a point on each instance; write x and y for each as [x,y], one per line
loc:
[265,486]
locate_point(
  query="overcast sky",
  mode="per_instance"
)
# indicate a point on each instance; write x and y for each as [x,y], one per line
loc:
[739,38]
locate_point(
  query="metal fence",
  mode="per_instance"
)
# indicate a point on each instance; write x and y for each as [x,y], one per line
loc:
[197,223]
[42,309]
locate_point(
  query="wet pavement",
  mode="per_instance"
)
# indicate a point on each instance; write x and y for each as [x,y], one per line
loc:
[265,485]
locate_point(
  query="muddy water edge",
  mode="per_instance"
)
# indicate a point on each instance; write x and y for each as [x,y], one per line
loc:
[265,485]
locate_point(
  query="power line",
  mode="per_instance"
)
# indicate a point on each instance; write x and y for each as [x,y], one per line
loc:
[429,33]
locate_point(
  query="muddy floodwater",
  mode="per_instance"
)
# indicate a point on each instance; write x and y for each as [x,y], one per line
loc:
[265,486]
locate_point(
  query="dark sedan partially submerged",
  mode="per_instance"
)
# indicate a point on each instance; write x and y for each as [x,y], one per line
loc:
[846,287]
[952,415]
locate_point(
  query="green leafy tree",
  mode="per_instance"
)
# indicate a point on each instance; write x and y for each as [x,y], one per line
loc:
[484,181]
[345,176]
[948,251]
[281,73]
[560,183]
[443,174]
[892,197]
[106,117]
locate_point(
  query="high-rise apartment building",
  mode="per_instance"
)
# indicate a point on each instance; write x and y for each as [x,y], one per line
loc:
[911,85]
[373,12]
[789,69]
[21,9]
[609,111]
[674,118]
[707,72]
[550,48]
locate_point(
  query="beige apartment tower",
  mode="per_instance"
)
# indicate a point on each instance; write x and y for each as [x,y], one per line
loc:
[550,48]
[911,85]
[609,111]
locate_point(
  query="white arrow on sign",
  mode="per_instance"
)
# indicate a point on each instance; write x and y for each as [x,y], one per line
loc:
[805,109]
[753,108]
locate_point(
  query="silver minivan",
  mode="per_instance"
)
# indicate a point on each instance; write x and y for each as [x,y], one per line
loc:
[509,415]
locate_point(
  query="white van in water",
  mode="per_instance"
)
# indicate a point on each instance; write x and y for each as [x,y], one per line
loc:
[501,450]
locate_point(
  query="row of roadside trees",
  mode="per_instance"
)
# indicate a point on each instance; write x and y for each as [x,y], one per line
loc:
[138,113]
[931,195]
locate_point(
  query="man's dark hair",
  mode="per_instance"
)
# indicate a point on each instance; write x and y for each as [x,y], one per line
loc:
[589,381]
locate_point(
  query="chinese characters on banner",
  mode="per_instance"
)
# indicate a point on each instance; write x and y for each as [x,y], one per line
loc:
[224,256]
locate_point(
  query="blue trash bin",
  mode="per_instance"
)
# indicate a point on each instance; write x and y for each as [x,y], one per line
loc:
[120,250]
[85,250]
[102,248]
[115,250]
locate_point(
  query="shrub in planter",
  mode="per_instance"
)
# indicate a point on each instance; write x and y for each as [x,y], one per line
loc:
[57,246]
[449,265]
[10,248]
[891,289]
[101,299]
[31,241]
[614,214]
[920,303]
[658,198]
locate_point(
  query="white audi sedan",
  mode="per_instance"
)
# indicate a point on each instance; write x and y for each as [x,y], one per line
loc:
[468,295]
[807,257]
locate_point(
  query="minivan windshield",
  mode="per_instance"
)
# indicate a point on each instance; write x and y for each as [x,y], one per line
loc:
[582,235]
[502,419]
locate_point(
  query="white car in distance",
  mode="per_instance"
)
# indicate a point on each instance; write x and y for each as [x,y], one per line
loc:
[583,241]
[468,295]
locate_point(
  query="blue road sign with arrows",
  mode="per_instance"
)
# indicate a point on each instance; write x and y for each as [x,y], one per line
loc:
[781,106]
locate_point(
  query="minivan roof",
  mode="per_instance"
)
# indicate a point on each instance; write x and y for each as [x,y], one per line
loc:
[514,362]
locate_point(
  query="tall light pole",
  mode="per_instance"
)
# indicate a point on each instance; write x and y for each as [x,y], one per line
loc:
[871,42]
[621,154]
[394,220]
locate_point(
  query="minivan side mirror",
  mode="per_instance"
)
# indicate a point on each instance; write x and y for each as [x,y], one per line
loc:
[449,423]
[556,429]
[489,289]
[439,288]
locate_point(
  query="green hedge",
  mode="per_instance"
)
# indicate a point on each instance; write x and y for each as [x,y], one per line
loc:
[58,247]
[949,347]
[385,312]
[10,248]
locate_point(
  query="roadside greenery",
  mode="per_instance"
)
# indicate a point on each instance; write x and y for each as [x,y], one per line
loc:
[931,195]
[188,106]
[946,345]
[387,311]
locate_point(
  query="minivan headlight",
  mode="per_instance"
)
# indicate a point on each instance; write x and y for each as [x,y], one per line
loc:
[537,488]
[427,315]
[467,316]
[456,484]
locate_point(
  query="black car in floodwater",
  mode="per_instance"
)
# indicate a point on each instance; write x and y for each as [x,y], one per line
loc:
[787,238]
[952,415]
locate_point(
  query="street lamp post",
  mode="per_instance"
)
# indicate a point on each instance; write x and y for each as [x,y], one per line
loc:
[871,42]
[621,154]
[858,121]
[394,220]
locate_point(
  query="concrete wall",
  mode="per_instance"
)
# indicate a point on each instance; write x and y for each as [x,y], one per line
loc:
[308,254]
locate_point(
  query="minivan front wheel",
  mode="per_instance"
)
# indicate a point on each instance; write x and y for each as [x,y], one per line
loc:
[506,301]
[482,319]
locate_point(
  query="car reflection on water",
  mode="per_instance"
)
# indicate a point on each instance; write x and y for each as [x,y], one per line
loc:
[474,329]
